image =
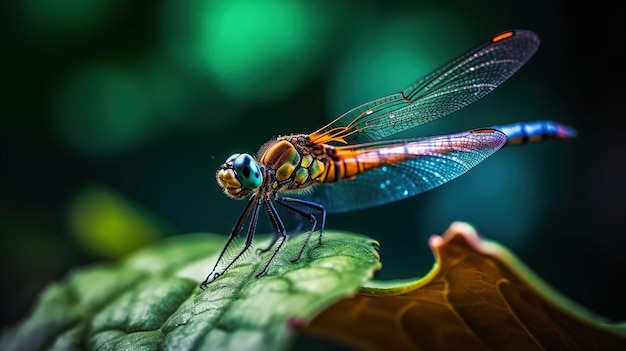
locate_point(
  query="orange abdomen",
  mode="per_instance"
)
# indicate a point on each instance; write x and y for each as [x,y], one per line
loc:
[348,163]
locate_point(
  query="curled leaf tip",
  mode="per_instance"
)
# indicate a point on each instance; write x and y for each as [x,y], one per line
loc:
[456,229]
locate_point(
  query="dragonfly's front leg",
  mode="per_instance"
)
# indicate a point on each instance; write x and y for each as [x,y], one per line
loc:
[233,234]
[293,204]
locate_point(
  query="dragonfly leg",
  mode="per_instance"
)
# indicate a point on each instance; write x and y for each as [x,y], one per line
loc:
[295,205]
[277,223]
[233,234]
[279,236]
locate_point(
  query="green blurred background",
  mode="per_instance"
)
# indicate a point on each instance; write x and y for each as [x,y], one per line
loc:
[117,114]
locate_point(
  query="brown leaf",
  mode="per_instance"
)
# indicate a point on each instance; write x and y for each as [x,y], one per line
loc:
[477,297]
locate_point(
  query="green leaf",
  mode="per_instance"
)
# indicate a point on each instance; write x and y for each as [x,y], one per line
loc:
[478,296]
[152,300]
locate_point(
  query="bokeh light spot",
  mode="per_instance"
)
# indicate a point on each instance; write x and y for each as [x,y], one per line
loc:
[108,225]
[101,110]
[254,50]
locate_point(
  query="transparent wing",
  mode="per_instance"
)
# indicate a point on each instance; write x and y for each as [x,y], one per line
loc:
[448,89]
[439,160]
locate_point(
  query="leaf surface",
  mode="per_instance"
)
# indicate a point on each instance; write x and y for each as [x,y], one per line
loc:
[152,300]
[478,296]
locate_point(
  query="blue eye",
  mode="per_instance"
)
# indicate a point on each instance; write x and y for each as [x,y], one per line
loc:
[247,171]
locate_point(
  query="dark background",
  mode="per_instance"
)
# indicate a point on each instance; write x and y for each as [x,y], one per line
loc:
[117,115]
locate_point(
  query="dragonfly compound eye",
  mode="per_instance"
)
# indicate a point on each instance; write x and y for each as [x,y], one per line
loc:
[247,171]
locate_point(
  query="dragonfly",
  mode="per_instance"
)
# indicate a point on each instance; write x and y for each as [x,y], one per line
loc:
[353,162]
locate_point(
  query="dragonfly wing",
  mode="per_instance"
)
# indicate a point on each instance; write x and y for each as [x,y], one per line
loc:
[438,160]
[447,89]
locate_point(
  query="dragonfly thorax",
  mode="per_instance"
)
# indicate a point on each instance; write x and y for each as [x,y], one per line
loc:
[293,162]
[239,175]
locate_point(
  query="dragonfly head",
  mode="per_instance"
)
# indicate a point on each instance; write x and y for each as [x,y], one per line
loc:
[239,175]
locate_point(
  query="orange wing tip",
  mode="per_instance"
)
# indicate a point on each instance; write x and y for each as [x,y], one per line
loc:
[502,36]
